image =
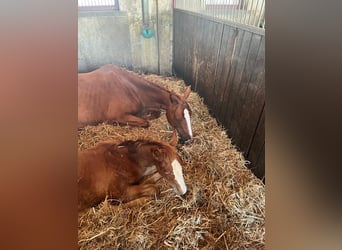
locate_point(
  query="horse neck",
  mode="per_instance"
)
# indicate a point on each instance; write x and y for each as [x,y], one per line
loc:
[137,152]
[144,157]
[155,97]
[144,162]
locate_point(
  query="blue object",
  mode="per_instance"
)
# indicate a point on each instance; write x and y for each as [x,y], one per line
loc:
[147,33]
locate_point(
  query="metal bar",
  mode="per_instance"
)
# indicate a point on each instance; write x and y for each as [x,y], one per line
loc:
[255,19]
[216,9]
[260,7]
[245,11]
[252,10]
[261,16]
[252,21]
[90,3]
[239,11]
[232,11]
[248,28]
[145,13]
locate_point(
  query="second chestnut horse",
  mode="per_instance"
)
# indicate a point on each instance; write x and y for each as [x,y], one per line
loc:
[119,170]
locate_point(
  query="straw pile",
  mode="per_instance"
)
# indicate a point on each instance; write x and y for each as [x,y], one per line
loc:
[224,207]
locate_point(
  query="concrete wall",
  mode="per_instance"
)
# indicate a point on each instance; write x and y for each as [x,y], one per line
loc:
[115,37]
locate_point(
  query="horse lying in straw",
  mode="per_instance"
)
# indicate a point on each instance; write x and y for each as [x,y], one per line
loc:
[119,171]
[113,94]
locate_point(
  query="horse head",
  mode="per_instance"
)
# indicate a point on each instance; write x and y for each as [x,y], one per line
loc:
[168,164]
[178,114]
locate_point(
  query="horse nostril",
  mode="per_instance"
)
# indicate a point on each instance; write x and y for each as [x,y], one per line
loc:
[183,139]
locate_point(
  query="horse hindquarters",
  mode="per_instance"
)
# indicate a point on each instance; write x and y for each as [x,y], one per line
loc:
[87,198]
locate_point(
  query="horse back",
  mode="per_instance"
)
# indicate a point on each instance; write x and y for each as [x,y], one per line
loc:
[106,94]
[102,170]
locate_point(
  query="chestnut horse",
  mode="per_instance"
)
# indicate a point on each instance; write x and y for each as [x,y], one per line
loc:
[113,94]
[127,171]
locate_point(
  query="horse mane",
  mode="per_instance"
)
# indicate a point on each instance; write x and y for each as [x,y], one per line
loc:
[132,143]
[155,84]
[141,142]
[152,83]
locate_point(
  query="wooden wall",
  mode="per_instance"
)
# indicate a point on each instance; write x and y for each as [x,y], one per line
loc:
[224,63]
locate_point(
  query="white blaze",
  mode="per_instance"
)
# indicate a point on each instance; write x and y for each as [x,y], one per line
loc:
[188,123]
[150,170]
[178,173]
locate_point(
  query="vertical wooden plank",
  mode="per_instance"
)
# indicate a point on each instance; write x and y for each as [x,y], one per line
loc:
[209,46]
[181,43]
[190,24]
[217,42]
[227,98]
[178,49]
[193,63]
[223,67]
[254,100]
[245,91]
[258,167]
[234,79]
[257,146]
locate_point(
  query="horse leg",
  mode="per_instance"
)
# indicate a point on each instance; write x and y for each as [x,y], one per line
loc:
[138,191]
[152,114]
[136,203]
[133,121]
[152,179]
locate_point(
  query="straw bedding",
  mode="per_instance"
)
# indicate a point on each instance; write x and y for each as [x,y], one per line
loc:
[224,207]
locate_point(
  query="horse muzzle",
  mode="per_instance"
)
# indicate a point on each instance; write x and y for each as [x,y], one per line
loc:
[183,139]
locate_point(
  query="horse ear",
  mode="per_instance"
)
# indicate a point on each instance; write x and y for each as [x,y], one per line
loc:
[173,99]
[186,93]
[157,154]
[174,139]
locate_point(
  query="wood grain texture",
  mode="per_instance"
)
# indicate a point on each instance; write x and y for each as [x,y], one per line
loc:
[225,64]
